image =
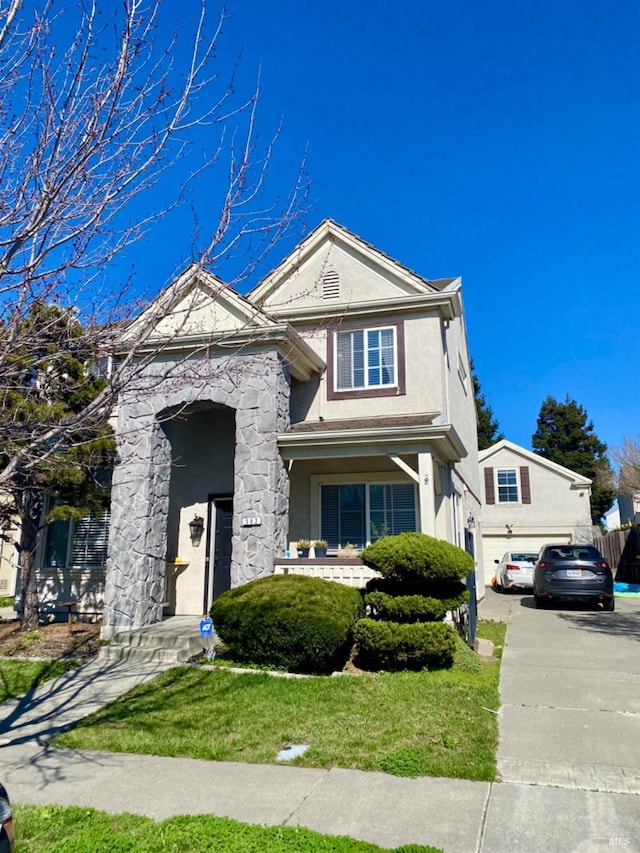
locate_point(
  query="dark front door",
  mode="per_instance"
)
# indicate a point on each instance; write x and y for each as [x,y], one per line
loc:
[219,548]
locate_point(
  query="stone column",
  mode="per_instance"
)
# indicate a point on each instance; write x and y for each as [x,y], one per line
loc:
[134,588]
[261,483]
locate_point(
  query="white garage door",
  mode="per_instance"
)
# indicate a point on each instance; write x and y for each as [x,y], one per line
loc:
[494,547]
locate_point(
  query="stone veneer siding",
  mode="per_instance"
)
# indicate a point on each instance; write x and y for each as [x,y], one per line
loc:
[256,386]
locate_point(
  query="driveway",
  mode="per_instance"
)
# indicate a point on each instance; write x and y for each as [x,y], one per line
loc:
[570,692]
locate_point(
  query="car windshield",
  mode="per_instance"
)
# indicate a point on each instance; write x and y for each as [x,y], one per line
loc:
[579,552]
[524,558]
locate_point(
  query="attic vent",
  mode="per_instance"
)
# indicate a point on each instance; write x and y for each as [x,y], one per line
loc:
[331,285]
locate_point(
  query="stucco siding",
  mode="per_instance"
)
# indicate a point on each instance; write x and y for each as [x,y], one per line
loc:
[559,508]
[360,279]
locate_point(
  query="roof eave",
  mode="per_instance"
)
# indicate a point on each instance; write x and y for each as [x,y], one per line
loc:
[373,442]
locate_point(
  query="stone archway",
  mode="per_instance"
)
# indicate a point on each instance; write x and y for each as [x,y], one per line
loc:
[256,387]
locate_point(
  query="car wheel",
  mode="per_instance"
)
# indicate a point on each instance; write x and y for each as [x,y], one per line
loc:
[540,603]
[609,604]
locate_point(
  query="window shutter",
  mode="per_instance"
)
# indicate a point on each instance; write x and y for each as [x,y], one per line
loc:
[489,487]
[525,485]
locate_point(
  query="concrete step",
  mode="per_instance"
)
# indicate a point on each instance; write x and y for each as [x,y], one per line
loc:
[140,638]
[147,654]
[171,641]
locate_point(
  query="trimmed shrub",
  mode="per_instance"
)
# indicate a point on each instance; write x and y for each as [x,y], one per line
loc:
[415,556]
[452,595]
[292,622]
[395,646]
[404,608]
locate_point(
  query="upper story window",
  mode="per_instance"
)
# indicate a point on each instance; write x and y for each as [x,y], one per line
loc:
[366,358]
[507,486]
[366,361]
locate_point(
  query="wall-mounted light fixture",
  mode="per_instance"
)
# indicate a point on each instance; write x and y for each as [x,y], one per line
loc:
[471,522]
[196,529]
[509,528]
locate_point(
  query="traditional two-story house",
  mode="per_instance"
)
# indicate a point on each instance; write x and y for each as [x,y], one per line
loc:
[333,402]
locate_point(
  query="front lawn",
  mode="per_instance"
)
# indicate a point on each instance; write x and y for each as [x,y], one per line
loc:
[47,829]
[20,676]
[409,723]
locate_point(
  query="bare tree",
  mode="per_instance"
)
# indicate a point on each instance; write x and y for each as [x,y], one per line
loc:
[96,111]
[626,479]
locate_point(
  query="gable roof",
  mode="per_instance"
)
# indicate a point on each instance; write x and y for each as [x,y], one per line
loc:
[406,286]
[485,456]
[198,309]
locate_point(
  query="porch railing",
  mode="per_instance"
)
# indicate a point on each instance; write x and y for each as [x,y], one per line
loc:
[349,571]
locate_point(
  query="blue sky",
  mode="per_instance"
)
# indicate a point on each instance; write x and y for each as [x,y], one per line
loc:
[496,140]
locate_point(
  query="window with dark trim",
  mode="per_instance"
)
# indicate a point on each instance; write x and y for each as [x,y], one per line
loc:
[363,512]
[366,361]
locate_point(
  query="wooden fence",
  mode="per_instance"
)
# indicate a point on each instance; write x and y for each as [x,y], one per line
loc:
[621,549]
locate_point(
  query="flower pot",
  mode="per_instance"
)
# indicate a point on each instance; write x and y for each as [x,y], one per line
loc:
[348,553]
[320,553]
[303,552]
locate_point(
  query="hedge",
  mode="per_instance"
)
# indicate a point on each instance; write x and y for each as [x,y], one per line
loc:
[416,556]
[296,623]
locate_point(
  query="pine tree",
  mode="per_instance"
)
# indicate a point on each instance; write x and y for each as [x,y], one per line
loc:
[488,427]
[47,381]
[564,436]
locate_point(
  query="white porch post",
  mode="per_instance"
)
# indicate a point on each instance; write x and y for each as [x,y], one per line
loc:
[426,493]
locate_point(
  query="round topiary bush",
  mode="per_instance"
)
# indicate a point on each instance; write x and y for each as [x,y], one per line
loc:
[415,556]
[395,646]
[292,622]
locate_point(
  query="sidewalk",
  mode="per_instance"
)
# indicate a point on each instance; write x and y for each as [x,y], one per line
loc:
[455,815]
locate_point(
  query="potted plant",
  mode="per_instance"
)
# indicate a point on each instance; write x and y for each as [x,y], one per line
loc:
[348,551]
[303,546]
[320,547]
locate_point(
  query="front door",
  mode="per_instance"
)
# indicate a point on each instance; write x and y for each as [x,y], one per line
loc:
[218,558]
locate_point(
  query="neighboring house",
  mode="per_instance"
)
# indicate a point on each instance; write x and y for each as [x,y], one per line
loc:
[334,401]
[528,501]
[611,518]
[8,560]
[629,508]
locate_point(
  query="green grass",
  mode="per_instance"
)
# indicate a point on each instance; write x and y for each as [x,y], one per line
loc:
[20,676]
[408,723]
[494,631]
[46,829]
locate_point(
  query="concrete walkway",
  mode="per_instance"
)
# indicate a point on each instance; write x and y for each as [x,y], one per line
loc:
[558,666]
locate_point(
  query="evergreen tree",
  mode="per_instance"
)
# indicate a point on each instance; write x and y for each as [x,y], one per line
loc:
[48,383]
[564,436]
[488,427]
